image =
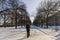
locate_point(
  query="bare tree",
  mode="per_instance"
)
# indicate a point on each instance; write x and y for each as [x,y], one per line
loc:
[17,9]
[46,8]
[2,2]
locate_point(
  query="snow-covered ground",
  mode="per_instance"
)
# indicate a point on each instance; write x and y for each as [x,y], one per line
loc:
[52,32]
[10,33]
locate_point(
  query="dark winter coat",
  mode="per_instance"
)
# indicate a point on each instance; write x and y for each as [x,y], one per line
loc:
[27,26]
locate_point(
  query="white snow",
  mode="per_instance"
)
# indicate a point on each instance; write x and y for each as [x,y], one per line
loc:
[37,33]
[51,32]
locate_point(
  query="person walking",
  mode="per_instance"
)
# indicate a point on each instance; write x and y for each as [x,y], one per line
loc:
[28,29]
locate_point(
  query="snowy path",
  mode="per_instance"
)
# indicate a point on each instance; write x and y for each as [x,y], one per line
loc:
[20,34]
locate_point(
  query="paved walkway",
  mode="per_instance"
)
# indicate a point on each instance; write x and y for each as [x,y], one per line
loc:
[38,35]
[16,34]
[35,35]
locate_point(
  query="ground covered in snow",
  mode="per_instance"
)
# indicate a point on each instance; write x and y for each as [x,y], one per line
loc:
[10,33]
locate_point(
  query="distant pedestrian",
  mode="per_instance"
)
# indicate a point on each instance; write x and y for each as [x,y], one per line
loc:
[28,29]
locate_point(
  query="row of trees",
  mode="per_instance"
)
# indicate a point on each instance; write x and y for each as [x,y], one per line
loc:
[46,9]
[13,11]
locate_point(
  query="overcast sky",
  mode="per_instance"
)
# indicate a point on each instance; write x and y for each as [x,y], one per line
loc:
[31,6]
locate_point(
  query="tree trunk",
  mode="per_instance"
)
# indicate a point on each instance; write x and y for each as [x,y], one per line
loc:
[42,23]
[56,28]
[47,21]
[15,19]
[4,20]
